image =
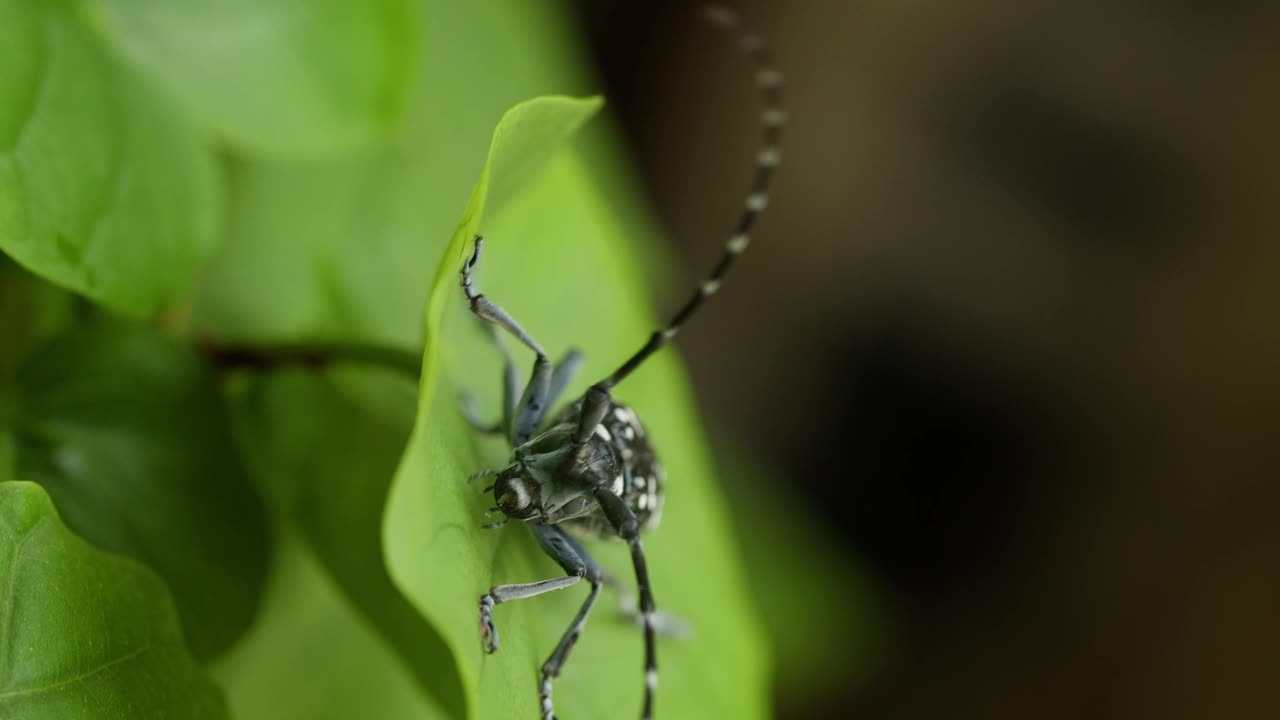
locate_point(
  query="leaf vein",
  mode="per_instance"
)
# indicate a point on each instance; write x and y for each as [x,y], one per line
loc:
[33,98]
[10,627]
[129,657]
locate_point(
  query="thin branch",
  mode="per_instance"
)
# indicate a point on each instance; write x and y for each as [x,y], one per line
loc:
[317,354]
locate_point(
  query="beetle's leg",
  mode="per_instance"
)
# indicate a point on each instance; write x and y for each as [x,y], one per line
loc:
[595,403]
[664,623]
[625,525]
[510,391]
[556,544]
[499,594]
[578,564]
[471,414]
[563,375]
[551,668]
[533,402]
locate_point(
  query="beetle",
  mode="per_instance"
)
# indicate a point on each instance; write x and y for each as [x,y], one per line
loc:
[590,471]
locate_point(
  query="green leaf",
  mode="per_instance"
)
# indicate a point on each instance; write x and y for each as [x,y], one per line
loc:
[274,76]
[570,279]
[103,189]
[310,657]
[344,249]
[126,430]
[85,634]
[324,448]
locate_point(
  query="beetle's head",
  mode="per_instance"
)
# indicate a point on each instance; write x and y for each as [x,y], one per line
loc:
[519,496]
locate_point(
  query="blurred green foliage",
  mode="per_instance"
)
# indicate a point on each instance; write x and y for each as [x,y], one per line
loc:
[180,176]
[310,656]
[324,448]
[125,429]
[273,77]
[104,188]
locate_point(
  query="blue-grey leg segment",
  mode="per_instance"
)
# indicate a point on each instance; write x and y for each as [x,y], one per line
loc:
[510,381]
[541,393]
[565,551]
[510,391]
[664,624]
[578,564]
[533,402]
[471,414]
[565,370]
[556,546]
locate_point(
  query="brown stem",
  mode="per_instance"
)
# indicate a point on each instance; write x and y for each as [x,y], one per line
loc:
[316,354]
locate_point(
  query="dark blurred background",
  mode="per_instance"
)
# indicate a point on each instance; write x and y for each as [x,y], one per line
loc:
[1010,329]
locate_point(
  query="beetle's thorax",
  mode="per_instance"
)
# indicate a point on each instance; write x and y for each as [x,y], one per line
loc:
[617,456]
[565,474]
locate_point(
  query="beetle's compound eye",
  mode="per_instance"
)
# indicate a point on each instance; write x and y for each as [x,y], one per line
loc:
[518,495]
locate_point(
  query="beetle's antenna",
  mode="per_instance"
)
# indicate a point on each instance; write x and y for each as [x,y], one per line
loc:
[772,119]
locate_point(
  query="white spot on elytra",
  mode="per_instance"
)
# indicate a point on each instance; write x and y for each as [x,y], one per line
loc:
[757,202]
[655,514]
[603,434]
[738,243]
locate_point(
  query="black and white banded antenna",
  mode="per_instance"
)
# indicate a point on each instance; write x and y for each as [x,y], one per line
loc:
[772,120]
